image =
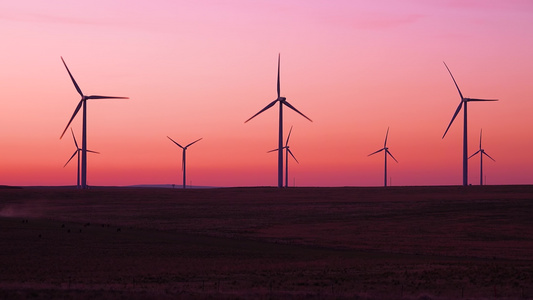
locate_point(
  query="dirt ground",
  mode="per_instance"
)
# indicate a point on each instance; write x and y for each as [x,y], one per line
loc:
[267,243]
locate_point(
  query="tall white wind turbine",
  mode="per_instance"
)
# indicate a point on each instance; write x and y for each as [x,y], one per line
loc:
[183,157]
[77,152]
[386,149]
[464,101]
[481,152]
[287,152]
[83,103]
[282,101]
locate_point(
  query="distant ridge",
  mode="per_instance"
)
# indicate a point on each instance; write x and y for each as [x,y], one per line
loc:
[169,186]
[9,187]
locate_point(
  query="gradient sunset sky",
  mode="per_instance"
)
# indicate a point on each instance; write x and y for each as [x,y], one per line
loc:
[199,69]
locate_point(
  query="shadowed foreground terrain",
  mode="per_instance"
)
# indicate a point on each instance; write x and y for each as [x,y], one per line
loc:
[267,243]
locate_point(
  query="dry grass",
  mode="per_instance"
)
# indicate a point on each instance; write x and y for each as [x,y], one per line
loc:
[299,243]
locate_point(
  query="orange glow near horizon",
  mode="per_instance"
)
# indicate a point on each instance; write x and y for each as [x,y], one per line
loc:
[199,70]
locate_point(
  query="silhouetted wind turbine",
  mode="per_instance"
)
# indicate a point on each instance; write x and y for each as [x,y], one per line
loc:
[287,152]
[282,101]
[183,159]
[481,152]
[465,131]
[77,152]
[386,152]
[83,102]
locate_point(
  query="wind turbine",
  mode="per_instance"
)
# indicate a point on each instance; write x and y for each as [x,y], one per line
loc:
[282,101]
[77,152]
[386,149]
[465,131]
[287,152]
[481,152]
[83,102]
[183,159]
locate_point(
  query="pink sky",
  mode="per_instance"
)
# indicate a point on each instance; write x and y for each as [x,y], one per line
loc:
[199,69]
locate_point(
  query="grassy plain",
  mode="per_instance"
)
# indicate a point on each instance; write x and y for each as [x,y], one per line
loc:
[267,243]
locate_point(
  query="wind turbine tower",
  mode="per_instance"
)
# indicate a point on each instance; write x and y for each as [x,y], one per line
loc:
[481,152]
[282,101]
[183,158]
[386,149]
[464,101]
[83,103]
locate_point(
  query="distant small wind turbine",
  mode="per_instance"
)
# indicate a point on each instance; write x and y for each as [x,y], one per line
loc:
[83,102]
[386,149]
[77,152]
[465,131]
[183,157]
[481,152]
[287,152]
[282,101]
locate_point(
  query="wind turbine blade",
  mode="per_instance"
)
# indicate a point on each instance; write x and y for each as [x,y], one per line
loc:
[290,152]
[376,151]
[454,115]
[287,142]
[93,151]
[273,150]
[488,155]
[72,118]
[105,97]
[75,143]
[75,152]
[386,136]
[480,134]
[293,108]
[460,94]
[266,107]
[279,55]
[388,152]
[474,154]
[72,78]
[474,99]
[193,142]
[175,142]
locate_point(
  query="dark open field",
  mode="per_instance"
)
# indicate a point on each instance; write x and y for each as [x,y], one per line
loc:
[266,243]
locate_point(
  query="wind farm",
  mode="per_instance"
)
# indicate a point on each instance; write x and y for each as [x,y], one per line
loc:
[188,84]
[282,102]
[345,229]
